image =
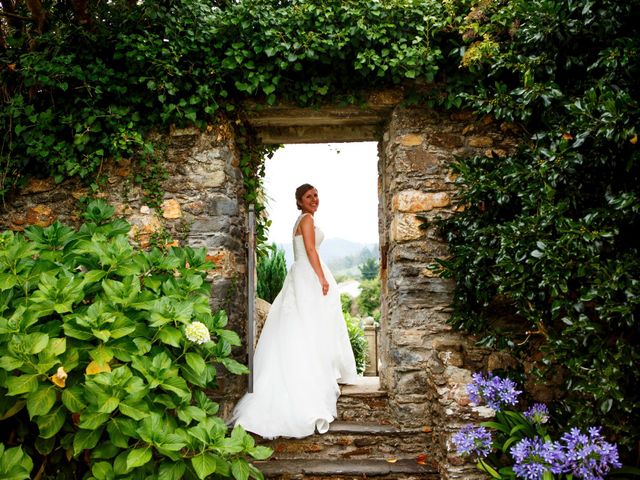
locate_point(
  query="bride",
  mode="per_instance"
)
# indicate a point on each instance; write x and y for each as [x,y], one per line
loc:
[304,350]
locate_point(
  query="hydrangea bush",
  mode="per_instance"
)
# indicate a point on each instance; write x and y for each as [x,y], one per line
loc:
[106,353]
[518,445]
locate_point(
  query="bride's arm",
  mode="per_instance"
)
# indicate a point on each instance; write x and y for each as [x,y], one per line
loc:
[309,239]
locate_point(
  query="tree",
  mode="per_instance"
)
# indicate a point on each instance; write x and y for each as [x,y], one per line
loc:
[369,298]
[369,269]
[272,270]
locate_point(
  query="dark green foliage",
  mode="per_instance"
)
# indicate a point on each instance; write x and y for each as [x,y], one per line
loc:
[101,375]
[369,269]
[550,232]
[272,270]
[75,94]
[358,341]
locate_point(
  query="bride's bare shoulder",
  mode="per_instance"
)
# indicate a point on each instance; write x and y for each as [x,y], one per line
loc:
[306,218]
[304,223]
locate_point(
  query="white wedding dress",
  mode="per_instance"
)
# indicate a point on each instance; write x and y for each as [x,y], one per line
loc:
[301,356]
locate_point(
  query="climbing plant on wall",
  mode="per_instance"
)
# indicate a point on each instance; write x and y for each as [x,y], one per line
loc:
[549,232]
[87,80]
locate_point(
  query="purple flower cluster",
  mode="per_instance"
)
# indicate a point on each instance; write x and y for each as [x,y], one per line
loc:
[533,457]
[537,413]
[589,456]
[586,456]
[493,390]
[473,440]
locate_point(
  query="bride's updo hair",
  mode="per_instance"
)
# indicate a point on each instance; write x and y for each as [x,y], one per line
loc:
[300,191]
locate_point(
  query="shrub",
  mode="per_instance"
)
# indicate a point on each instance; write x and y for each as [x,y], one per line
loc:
[517,445]
[548,231]
[106,356]
[346,301]
[358,341]
[14,463]
[271,270]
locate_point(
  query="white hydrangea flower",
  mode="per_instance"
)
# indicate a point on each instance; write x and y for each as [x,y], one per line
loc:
[197,332]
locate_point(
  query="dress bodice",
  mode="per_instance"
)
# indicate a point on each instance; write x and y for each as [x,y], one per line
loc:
[299,251]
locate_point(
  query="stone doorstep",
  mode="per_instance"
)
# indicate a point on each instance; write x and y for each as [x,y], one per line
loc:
[353,440]
[361,428]
[390,476]
[339,427]
[366,387]
[364,408]
[350,413]
[364,402]
[340,468]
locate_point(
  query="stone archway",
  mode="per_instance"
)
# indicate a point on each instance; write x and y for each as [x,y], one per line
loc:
[425,364]
[291,125]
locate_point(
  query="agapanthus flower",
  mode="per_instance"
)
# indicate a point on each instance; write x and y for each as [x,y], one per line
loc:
[197,332]
[589,456]
[533,457]
[493,390]
[473,439]
[537,413]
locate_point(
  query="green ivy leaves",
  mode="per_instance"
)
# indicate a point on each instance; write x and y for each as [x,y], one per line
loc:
[87,95]
[547,239]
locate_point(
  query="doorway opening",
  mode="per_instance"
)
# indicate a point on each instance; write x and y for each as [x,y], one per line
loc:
[346,176]
[347,126]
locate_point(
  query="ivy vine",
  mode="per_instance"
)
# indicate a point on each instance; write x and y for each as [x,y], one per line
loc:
[82,88]
[548,236]
[253,155]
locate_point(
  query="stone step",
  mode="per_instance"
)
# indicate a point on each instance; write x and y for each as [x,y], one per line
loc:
[365,401]
[353,440]
[401,469]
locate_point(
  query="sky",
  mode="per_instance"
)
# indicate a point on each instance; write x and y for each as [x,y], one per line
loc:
[346,176]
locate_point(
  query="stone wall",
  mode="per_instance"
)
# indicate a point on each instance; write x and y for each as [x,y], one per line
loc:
[202,207]
[426,366]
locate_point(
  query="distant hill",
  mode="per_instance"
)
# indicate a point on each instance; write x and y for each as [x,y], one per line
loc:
[333,250]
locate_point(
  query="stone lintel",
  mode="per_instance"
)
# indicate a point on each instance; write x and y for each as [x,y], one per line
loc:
[290,124]
[318,133]
[287,116]
[313,117]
